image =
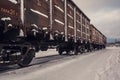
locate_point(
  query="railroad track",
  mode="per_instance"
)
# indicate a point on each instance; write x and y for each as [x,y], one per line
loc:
[38,61]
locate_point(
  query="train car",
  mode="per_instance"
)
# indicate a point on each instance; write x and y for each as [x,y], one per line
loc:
[77,28]
[98,40]
[28,26]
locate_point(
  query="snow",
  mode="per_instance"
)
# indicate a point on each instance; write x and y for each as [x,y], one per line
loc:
[59,8]
[9,25]
[21,33]
[13,1]
[98,65]
[6,18]
[59,21]
[34,30]
[44,28]
[70,27]
[37,12]
[111,71]
[34,25]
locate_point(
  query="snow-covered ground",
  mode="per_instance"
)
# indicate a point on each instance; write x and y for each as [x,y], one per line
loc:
[50,52]
[111,71]
[98,65]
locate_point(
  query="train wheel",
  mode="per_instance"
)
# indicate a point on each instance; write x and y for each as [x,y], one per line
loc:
[60,51]
[82,49]
[27,58]
[75,51]
[91,48]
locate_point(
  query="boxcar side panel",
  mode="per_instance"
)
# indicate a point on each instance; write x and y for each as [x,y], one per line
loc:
[70,16]
[10,11]
[37,12]
[78,23]
[58,16]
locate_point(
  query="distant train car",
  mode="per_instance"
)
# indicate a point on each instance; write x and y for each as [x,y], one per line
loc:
[28,26]
[98,40]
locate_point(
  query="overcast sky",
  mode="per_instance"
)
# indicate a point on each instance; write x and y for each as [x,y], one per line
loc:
[104,14]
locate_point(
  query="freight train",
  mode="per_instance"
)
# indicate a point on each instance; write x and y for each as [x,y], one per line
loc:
[29,26]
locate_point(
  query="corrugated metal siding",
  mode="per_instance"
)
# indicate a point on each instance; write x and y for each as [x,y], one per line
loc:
[78,21]
[93,37]
[96,36]
[58,15]
[70,15]
[37,12]
[9,9]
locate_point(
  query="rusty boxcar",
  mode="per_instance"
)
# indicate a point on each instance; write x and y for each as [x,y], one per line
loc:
[98,40]
[27,26]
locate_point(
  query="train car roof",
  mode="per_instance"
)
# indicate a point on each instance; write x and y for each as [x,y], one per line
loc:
[80,9]
[97,30]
